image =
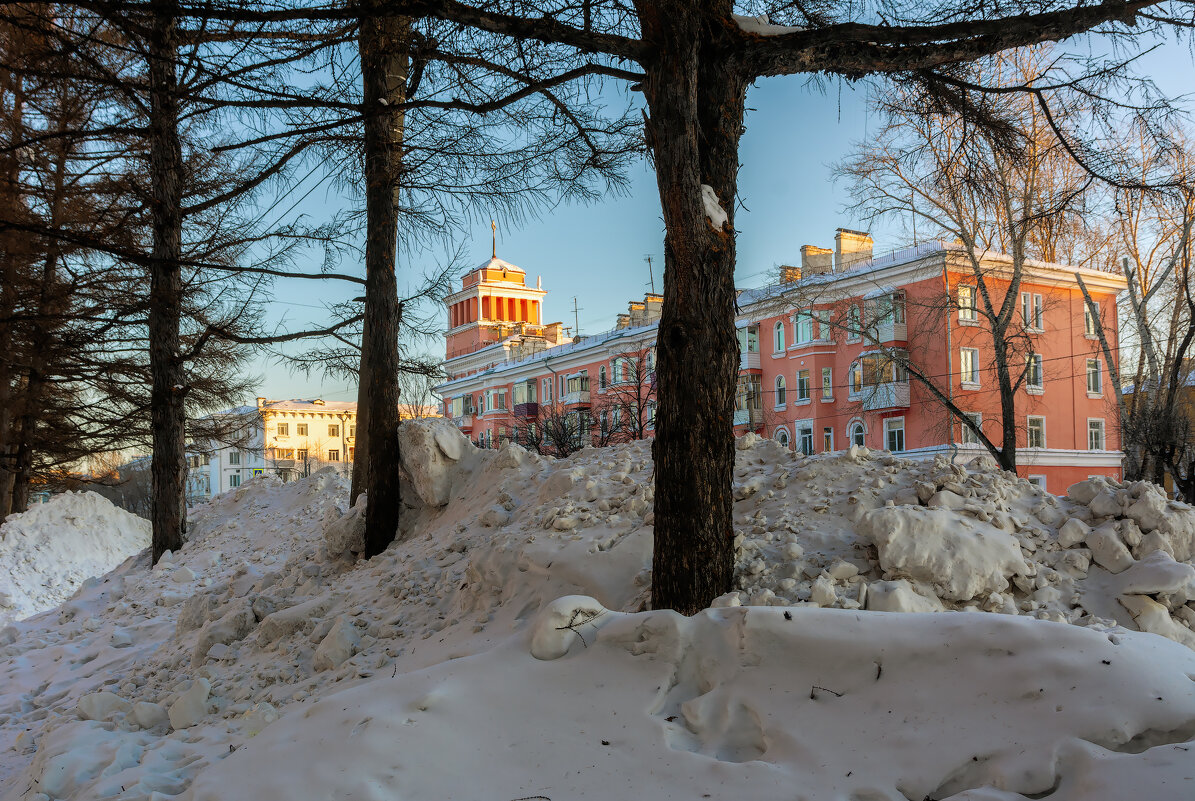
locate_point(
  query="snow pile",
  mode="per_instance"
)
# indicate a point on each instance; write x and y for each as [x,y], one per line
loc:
[48,551]
[501,649]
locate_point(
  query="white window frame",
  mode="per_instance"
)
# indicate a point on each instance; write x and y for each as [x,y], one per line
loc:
[804,433]
[234,481]
[857,430]
[334,430]
[778,338]
[1031,311]
[804,391]
[1029,431]
[969,378]
[803,328]
[1103,434]
[856,370]
[333,454]
[283,429]
[968,313]
[1038,481]
[1034,360]
[854,323]
[827,384]
[890,427]
[1098,374]
[782,432]
[1090,330]
[966,435]
[602,378]
[300,429]
[234,458]
[827,439]
[781,392]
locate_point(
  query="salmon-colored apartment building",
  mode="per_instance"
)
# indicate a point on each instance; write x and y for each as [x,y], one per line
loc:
[823,359]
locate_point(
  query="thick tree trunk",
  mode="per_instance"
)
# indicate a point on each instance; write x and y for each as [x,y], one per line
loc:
[382,43]
[165,294]
[361,446]
[696,103]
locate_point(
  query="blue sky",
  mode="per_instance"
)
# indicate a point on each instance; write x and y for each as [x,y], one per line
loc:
[595,253]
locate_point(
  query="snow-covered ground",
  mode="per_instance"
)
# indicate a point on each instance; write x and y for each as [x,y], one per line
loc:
[48,551]
[502,651]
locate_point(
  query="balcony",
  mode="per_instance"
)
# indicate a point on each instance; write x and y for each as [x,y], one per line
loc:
[527,411]
[748,417]
[576,398]
[893,395]
[888,331]
[463,421]
[749,360]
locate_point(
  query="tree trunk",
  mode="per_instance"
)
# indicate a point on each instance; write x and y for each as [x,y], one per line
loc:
[166,289]
[361,446]
[382,43]
[689,90]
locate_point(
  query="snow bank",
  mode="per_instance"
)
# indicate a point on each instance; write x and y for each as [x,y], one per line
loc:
[48,551]
[502,647]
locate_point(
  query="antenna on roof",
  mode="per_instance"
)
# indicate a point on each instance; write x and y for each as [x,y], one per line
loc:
[576,316]
[650,275]
[494,227]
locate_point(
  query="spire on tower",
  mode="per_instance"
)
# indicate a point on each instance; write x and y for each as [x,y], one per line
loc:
[494,226]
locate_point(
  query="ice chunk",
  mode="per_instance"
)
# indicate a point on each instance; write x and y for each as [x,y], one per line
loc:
[191,706]
[560,625]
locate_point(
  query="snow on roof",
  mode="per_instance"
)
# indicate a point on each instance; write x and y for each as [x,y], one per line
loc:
[311,405]
[498,264]
[880,292]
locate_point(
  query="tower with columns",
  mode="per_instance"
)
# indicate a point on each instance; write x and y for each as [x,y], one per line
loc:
[493,302]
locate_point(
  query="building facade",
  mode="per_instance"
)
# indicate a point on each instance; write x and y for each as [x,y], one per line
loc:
[848,348]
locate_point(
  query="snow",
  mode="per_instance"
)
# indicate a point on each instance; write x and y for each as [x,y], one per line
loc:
[504,647]
[762,26]
[47,552]
[713,209]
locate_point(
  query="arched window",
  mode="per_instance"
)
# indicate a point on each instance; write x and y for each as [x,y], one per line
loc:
[778,337]
[602,377]
[856,378]
[857,433]
[782,436]
[779,391]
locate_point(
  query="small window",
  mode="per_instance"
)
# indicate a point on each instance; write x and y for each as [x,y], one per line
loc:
[333,431]
[1090,321]
[967,436]
[602,377]
[353,431]
[858,434]
[802,385]
[1037,481]
[1031,311]
[966,304]
[827,439]
[778,338]
[1094,379]
[334,455]
[827,383]
[301,454]
[1036,436]
[301,429]
[853,324]
[782,437]
[1095,435]
[894,434]
[283,429]
[779,391]
[234,457]
[234,480]
[969,365]
[1033,376]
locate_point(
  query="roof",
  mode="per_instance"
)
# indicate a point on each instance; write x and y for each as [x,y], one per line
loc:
[310,406]
[498,264]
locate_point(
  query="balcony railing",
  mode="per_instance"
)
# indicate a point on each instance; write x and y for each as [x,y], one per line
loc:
[888,331]
[893,395]
[748,417]
[463,421]
[574,398]
[527,410]
[749,360]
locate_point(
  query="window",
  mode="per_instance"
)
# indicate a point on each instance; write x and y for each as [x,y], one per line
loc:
[651,414]
[352,453]
[894,434]
[778,338]
[234,457]
[805,440]
[353,431]
[1036,437]
[804,327]
[857,434]
[547,390]
[333,431]
[284,453]
[782,437]
[969,437]
[748,339]
[1095,435]
[823,324]
[853,324]
[574,383]
[302,454]
[1033,377]
[1037,481]
[856,385]
[283,429]
[969,365]
[1090,327]
[301,429]
[524,392]
[802,385]
[601,377]
[827,383]
[827,439]
[779,391]
[966,304]
[234,480]
[1094,382]
[1031,314]
[334,455]
[481,403]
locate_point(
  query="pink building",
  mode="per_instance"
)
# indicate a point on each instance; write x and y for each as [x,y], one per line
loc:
[826,354]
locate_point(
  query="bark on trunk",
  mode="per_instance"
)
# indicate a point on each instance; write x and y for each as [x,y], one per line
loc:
[361,446]
[384,61]
[696,102]
[166,369]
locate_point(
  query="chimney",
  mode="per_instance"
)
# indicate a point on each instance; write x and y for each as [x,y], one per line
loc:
[261,402]
[653,304]
[815,260]
[790,274]
[850,248]
[624,321]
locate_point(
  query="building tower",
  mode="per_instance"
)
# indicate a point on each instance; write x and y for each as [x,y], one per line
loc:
[493,302]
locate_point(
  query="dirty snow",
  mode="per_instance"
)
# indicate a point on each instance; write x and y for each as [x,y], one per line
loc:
[48,551]
[503,648]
